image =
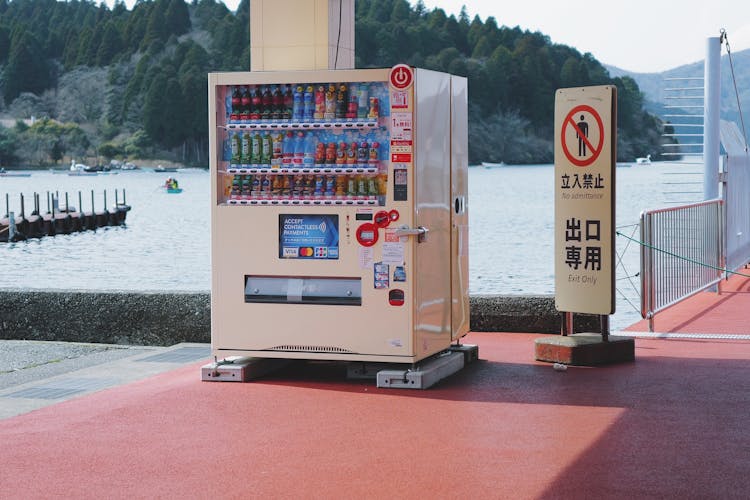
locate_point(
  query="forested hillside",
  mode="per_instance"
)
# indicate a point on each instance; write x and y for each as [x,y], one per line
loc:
[132,83]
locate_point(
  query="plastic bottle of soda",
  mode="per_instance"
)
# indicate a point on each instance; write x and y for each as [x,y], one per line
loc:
[361,185]
[236,103]
[299,150]
[265,185]
[266,104]
[309,103]
[363,102]
[246,187]
[372,186]
[288,102]
[235,140]
[298,109]
[277,104]
[256,146]
[320,186]
[320,103]
[246,148]
[244,104]
[309,151]
[256,104]
[266,151]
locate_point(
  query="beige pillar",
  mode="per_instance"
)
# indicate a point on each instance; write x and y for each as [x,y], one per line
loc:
[301,34]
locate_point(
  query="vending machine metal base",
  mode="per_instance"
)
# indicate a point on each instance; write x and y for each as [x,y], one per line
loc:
[339,214]
[422,375]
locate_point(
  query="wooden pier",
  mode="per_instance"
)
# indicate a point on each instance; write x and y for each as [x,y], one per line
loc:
[57,220]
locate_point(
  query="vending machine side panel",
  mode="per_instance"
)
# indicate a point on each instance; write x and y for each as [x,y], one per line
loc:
[460,207]
[432,211]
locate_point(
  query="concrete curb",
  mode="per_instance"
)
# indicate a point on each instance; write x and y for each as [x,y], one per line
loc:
[163,319]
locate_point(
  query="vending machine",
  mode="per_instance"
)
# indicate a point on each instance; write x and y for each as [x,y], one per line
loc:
[339,214]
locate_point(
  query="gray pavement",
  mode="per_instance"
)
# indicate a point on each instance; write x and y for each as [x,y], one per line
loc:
[35,374]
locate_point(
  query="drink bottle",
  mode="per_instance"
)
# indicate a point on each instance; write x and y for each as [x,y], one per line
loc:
[255,149]
[341,154]
[246,148]
[341,102]
[363,101]
[277,103]
[320,153]
[256,104]
[309,103]
[236,187]
[266,104]
[299,150]
[351,155]
[330,186]
[330,109]
[320,103]
[341,186]
[320,186]
[236,103]
[244,104]
[374,112]
[266,149]
[374,154]
[363,153]
[351,108]
[309,151]
[287,150]
[288,103]
[277,150]
[298,110]
[361,185]
[331,153]
[236,143]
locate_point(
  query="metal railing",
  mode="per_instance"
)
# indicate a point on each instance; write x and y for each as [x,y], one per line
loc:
[682,254]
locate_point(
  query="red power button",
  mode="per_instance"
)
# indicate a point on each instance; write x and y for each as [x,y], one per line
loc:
[401,76]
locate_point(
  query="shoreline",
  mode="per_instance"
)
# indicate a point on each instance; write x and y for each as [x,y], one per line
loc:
[163,319]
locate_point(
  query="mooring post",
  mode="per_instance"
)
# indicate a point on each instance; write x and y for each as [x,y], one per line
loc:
[11,226]
[92,202]
[105,200]
[123,197]
[23,211]
[116,199]
[67,205]
[604,322]
[80,203]
[7,205]
[48,210]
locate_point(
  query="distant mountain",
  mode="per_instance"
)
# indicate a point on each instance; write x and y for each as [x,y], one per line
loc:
[653,84]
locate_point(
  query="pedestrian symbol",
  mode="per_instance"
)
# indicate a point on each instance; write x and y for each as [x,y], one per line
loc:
[587,133]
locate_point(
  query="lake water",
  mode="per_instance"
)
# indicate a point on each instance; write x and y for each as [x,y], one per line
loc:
[165,245]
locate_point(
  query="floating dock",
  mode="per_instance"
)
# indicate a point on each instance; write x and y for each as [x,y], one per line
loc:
[56,220]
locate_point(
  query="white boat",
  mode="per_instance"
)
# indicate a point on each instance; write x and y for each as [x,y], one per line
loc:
[487,164]
[643,161]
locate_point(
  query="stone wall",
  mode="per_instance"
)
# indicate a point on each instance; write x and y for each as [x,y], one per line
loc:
[170,318]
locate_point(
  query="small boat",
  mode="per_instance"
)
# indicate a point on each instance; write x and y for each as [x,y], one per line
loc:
[4,173]
[165,169]
[486,164]
[643,161]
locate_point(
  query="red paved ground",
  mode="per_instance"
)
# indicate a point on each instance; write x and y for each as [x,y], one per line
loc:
[728,312]
[671,425]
